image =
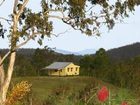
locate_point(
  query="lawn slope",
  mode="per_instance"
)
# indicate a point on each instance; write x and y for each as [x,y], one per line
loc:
[73,90]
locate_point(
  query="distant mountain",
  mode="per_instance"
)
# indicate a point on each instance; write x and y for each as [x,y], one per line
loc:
[30,51]
[121,53]
[87,51]
[83,52]
[125,52]
[65,52]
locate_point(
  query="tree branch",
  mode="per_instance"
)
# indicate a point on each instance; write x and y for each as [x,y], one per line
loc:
[90,8]
[59,10]
[57,17]
[15,6]
[22,8]
[8,21]
[2,2]
[28,39]
[56,35]
[5,56]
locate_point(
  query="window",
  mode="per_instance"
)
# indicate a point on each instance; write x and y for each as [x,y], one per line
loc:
[71,69]
[76,68]
[68,69]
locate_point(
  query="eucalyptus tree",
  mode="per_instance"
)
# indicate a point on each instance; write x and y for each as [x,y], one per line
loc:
[87,16]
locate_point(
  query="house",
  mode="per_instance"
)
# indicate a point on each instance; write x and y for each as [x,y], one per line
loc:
[62,69]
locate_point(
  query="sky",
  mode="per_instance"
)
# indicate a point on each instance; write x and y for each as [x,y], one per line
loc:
[122,34]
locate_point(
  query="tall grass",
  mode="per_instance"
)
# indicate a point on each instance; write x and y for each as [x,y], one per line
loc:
[71,91]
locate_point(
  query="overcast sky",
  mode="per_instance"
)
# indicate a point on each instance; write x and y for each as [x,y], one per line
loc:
[122,34]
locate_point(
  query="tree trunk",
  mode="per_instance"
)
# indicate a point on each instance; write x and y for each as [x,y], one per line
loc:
[5,80]
[6,83]
[1,81]
[1,74]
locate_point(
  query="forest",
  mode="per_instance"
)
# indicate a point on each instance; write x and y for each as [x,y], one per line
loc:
[119,66]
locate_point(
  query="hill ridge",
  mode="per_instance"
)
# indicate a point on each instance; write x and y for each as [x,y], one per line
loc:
[125,52]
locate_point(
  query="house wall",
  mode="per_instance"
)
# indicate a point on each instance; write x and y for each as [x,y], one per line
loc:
[53,72]
[71,69]
[56,72]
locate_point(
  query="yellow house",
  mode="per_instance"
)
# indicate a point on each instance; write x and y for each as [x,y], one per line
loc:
[62,69]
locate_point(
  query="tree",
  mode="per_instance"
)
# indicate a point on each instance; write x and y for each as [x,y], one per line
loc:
[86,64]
[79,14]
[39,59]
[23,66]
[101,59]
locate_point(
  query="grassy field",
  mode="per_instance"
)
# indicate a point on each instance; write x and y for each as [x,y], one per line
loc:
[72,90]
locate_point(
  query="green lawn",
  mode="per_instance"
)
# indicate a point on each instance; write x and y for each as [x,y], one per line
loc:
[65,88]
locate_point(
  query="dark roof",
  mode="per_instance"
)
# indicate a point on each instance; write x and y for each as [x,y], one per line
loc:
[58,65]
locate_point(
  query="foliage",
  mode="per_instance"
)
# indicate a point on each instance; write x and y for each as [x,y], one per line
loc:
[79,14]
[2,30]
[98,65]
[117,73]
[24,24]
[23,66]
[95,65]
[18,92]
[73,91]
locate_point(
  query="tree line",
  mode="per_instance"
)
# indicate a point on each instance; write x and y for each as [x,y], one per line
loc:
[31,61]
[122,73]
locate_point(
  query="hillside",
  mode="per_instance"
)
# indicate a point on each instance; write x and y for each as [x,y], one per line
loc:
[23,51]
[125,52]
